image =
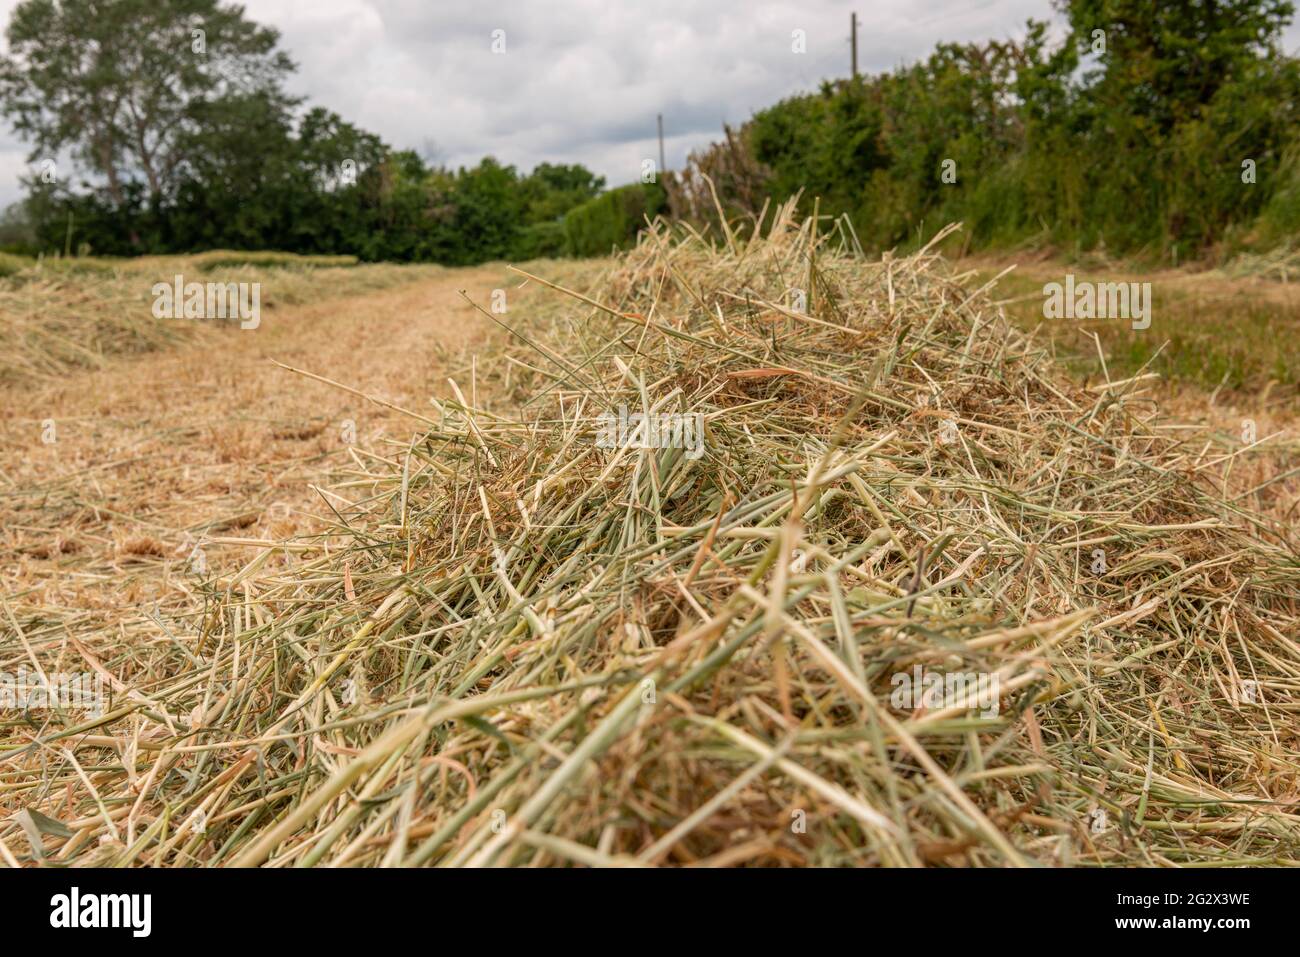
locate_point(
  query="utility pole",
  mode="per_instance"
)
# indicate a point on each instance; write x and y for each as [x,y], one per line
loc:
[662,168]
[853,41]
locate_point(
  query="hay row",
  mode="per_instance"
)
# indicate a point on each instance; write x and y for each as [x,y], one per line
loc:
[516,646]
[62,318]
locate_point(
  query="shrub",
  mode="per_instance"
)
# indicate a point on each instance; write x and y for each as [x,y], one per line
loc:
[540,241]
[612,220]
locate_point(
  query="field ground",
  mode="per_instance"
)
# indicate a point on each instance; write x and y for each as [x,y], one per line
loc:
[201,441]
[1226,349]
[1214,333]
[208,442]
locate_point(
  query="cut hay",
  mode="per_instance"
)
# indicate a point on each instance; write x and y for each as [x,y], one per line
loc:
[70,314]
[518,647]
[1281,264]
[220,259]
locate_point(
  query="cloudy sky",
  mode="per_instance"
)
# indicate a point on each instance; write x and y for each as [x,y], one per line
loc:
[582,80]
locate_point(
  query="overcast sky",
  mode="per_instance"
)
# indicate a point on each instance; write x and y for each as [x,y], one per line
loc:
[582,80]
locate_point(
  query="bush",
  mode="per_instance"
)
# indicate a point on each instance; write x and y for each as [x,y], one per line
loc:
[1026,143]
[540,241]
[612,220]
[1279,222]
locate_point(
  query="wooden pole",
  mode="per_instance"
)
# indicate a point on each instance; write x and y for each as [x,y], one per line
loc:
[853,41]
[662,167]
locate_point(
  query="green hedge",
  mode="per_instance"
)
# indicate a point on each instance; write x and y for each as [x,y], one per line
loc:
[612,220]
[1279,222]
[540,241]
[1049,144]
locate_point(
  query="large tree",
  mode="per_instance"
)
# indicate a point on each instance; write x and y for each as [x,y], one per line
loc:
[1165,61]
[124,85]
[551,190]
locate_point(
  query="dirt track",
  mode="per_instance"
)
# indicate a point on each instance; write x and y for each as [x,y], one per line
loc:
[212,441]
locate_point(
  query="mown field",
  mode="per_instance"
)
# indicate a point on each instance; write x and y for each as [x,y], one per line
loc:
[366,592]
[1221,331]
[68,314]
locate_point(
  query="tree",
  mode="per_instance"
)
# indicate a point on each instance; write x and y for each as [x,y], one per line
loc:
[242,181]
[489,211]
[122,83]
[1164,62]
[551,190]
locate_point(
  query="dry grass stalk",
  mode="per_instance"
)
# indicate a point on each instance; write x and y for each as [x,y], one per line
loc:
[516,647]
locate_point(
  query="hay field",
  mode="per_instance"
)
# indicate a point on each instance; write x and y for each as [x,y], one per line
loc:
[61,316]
[479,636]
